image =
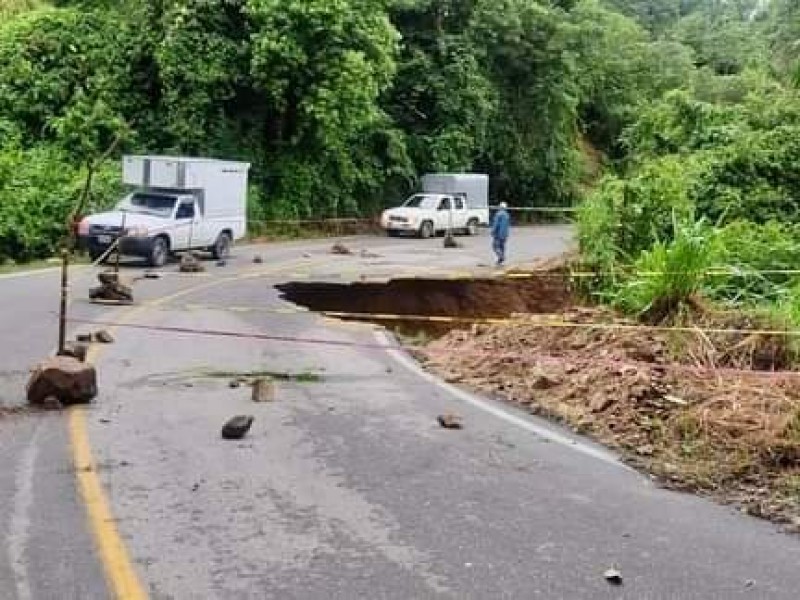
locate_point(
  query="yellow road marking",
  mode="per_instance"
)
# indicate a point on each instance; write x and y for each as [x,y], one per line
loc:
[116,561]
[117,564]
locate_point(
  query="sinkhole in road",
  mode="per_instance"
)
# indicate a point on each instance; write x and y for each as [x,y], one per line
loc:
[406,298]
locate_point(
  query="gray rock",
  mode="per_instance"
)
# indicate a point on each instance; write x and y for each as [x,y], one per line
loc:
[237,427]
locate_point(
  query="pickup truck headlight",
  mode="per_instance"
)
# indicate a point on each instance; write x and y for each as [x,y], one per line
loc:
[138,231]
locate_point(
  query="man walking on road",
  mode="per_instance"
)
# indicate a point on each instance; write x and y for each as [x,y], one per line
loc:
[500,227]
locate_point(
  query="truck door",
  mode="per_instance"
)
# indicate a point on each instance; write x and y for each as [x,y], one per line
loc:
[186,223]
[460,213]
[444,214]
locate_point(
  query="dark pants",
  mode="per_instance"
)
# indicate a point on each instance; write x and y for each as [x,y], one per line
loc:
[499,247]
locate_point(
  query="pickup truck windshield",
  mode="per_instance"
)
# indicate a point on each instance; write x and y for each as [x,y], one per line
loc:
[421,201]
[151,204]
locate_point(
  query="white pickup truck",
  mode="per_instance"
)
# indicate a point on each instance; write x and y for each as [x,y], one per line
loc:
[177,204]
[448,202]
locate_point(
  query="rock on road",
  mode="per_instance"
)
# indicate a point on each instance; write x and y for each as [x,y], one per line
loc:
[346,486]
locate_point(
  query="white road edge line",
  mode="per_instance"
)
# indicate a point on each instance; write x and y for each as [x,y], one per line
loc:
[496,411]
[20,518]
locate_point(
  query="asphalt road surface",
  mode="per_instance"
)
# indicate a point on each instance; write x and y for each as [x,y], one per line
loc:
[345,487]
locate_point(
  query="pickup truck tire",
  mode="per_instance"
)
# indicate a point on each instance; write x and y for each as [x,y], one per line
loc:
[222,247]
[426,230]
[159,252]
[472,227]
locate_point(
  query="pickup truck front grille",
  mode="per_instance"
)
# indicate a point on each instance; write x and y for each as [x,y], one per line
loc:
[398,219]
[104,229]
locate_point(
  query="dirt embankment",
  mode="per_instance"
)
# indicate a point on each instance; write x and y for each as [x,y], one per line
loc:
[705,411]
[730,433]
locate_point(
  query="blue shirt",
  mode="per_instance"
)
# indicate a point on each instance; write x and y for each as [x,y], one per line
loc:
[500,225]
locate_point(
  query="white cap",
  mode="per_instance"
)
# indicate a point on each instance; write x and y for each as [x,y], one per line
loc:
[503,205]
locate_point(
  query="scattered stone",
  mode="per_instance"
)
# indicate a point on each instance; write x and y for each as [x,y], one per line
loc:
[64,377]
[613,576]
[77,350]
[234,383]
[105,420]
[542,381]
[103,337]
[257,259]
[222,263]
[340,248]
[449,421]
[306,255]
[190,264]
[749,583]
[84,337]
[450,242]
[237,427]
[152,275]
[645,450]
[600,402]
[367,254]
[263,390]
[675,400]
[112,287]
[110,277]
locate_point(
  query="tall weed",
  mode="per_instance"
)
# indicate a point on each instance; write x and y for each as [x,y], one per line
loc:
[668,277]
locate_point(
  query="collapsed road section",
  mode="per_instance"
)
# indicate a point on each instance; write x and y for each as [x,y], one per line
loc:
[538,293]
[709,407]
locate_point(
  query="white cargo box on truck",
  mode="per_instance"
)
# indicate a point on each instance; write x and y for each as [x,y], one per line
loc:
[475,187]
[178,203]
[221,184]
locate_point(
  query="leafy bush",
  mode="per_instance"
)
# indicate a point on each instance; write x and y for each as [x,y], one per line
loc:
[38,190]
[623,217]
[750,254]
[668,277]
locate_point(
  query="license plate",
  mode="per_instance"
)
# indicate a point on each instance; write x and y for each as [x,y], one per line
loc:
[104,239]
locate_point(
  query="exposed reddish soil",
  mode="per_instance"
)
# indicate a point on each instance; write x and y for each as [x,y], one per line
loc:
[733,434]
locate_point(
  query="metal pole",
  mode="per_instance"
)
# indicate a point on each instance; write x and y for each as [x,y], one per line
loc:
[62,314]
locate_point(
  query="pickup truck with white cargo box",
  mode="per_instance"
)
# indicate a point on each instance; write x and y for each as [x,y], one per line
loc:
[177,204]
[448,202]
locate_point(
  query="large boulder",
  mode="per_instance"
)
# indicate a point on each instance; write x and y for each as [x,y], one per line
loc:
[63,377]
[112,287]
[190,263]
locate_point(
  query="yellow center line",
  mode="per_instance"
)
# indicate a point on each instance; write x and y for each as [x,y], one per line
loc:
[117,564]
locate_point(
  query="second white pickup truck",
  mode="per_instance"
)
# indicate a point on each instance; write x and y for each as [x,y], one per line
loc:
[447,202]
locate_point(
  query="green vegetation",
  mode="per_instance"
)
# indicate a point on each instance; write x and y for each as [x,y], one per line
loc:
[339,104]
[673,123]
[702,202]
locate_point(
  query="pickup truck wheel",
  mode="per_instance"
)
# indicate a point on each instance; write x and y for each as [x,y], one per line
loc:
[159,253]
[426,230]
[222,247]
[472,227]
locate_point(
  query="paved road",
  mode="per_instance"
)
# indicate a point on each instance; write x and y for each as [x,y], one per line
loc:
[345,487]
